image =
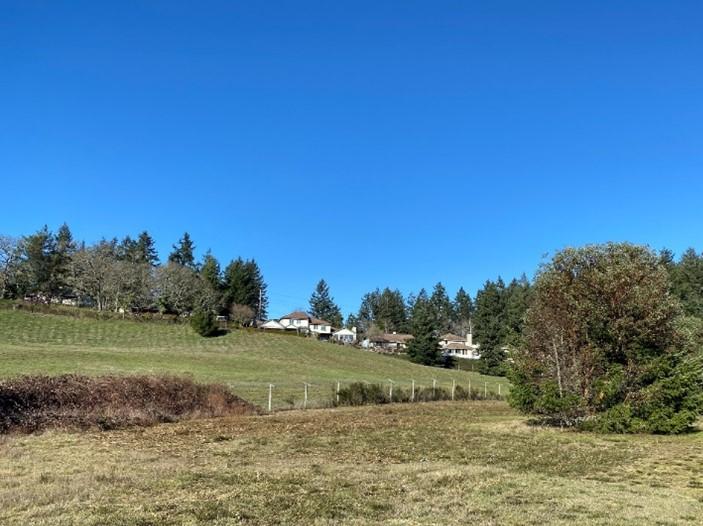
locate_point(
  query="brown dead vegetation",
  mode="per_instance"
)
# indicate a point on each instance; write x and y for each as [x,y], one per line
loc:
[30,404]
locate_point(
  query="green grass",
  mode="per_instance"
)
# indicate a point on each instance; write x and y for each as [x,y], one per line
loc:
[437,463]
[247,361]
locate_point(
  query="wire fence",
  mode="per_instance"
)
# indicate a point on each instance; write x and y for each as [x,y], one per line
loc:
[281,396]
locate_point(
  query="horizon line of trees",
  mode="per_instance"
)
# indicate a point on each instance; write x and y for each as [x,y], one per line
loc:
[127,276]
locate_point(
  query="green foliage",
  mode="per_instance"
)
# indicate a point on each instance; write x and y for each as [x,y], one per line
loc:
[203,322]
[687,280]
[183,252]
[441,308]
[322,305]
[424,347]
[244,285]
[604,347]
[463,310]
[386,309]
[359,393]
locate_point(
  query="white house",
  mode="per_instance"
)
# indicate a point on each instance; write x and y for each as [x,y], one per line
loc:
[297,319]
[273,325]
[345,336]
[459,347]
[304,323]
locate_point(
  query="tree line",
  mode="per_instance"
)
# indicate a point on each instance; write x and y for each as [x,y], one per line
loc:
[127,276]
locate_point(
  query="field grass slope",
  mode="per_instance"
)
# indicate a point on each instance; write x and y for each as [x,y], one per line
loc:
[245,360]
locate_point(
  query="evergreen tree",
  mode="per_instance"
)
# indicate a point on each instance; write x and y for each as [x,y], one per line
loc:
[352,321]
[64,249]
[390,312]
[244,285]
[322,305]
[463,311]
[210,271]
[686,278]
[146,249]
[424,347]
[183,252]
[441,307]
[517,302]
[37,264]
[490,326]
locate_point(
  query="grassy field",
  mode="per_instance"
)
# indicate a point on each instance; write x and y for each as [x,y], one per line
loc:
[247,361]
[434,463]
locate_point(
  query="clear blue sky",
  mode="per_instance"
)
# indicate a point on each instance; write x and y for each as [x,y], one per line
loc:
[370,143]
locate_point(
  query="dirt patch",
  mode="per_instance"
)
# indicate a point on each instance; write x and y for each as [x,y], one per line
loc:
[33,403]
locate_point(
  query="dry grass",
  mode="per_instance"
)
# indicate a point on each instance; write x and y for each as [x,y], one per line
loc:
[439,463]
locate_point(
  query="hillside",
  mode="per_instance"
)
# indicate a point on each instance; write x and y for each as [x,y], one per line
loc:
[245,360]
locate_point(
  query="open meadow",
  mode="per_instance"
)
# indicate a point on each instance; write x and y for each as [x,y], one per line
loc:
[428,463]
[247,361]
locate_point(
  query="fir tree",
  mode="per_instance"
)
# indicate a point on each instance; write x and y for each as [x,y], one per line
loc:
[463,310]
[424,347]
[146,250]
[244,285]
[322,305]
[441,307]
[210,271]
[490,326]
[183,252]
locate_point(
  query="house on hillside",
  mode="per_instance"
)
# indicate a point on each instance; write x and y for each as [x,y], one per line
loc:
[459,347]
[302,323]
[389,342]
[345,336]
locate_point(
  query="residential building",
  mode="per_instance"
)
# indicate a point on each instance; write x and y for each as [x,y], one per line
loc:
[459,347]
[347,336]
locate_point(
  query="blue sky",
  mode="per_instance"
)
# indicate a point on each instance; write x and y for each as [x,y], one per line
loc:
[370,143]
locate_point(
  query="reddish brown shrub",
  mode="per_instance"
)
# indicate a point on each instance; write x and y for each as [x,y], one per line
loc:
[33,403]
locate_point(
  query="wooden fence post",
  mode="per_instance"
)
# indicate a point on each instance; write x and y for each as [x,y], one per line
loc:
[412,392]
[305,399]
[453,388]
[485,390]
[434,388]
[390,392]
[337,392]
[270,396]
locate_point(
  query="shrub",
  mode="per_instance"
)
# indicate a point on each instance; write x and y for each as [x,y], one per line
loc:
[204,323]
[359,393]
[33,403]
[605,348]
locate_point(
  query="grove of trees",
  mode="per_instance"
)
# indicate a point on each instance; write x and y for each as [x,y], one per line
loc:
[126,276]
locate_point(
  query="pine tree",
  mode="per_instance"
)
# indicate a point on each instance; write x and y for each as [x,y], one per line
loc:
[352,321]
[517,302]
[391,313]
[146,249]
[37,264]
[64,249]
[463,310]
[424,347]
[244,285]
[687,282]
[490,326]
[210,271]
[183,252]
[322,305]
[441,307]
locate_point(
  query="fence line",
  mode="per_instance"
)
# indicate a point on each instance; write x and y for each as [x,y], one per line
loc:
[304,395]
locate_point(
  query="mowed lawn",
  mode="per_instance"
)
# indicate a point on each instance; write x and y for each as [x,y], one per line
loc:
[246,360]
[428,463]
